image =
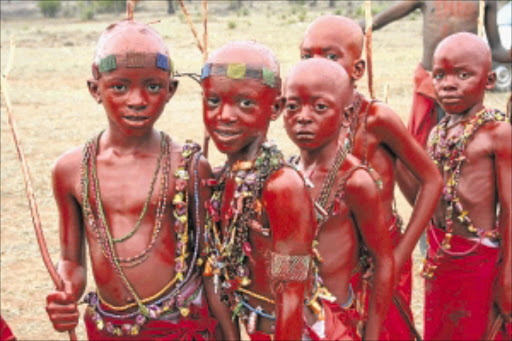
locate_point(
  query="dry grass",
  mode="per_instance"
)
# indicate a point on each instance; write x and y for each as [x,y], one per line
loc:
[55,113]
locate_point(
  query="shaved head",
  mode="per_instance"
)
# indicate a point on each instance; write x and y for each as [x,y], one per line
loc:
[342,30]
[247,52]
[129,36]
[468,44]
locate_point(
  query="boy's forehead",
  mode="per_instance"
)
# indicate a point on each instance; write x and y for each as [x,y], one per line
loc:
[464,47]
[324,39]
[128,40]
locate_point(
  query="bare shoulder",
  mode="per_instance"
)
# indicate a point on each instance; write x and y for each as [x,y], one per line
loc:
[285,179]
[501,135]
[381,115]
[360,185]
[68,164]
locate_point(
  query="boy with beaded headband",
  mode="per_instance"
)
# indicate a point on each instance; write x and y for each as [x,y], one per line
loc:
[260,221]
[468,263]
[142,245]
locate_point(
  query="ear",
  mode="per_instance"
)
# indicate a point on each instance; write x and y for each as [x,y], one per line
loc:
[173,86]
[94,90]
[277,107]
[358,68]
[491,80]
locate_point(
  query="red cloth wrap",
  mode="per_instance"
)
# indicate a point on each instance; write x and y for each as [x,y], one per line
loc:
[197,326]
[5,332]
[260,336]
[458,298]
[423,114]
[394,327]
[340,323]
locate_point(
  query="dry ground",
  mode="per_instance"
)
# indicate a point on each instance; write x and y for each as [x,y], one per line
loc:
[54,113]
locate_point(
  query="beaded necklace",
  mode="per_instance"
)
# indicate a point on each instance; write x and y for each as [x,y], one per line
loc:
[94,214]
[448,155]
[227,251]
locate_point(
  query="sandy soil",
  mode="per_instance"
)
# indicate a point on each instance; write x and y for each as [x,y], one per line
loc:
[55,112]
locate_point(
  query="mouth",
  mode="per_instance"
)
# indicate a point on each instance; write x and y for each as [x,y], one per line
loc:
[449,99]
[134,118]
[226,133]
[304,134]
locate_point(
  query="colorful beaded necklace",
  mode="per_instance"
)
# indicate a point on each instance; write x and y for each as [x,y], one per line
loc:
[94,214]
[227,251]
[448,155]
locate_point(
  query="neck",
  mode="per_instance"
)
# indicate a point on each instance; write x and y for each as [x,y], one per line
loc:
[248,153]
[320,158]
[129,144]
[454,119]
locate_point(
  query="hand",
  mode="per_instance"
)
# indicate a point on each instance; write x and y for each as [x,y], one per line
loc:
[62,309]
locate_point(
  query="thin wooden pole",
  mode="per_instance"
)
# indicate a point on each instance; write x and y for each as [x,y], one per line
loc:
[189,21]
[204,7]
[57,280]
[481,18]
[368,45]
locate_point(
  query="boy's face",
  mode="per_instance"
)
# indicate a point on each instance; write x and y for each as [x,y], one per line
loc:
[313,110]
[237,112]
[134,98]
[460,78]
[324,40]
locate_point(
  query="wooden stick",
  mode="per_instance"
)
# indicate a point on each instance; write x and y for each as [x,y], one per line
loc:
[481,18]
[130,6]
[194,32]
[204,7]
[386,93]
[57,280]
[368,45]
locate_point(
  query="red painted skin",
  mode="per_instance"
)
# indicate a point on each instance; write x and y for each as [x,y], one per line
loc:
[387,139]
[317,93]
[237,114]
[126,161]
[462,73]
[443,18]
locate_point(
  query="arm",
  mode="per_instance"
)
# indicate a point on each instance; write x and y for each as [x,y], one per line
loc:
[390,129]
[292,221]
[61,305]
[220,310]
[499,53]
[362,196]
[503,157]
[395,12]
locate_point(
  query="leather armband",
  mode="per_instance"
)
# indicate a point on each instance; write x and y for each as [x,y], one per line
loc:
[290,268]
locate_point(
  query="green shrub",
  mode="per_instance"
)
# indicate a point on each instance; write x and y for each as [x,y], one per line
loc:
[49,8]
[104,6]
[231,25]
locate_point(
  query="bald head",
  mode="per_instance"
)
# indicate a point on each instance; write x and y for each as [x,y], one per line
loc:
[336,30]
[323,76]
[246,52]
[129,36]
[467,44]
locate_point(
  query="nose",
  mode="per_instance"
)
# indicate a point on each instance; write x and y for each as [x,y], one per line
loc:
[449,83]
[137,99]
[227,114]
[304,117]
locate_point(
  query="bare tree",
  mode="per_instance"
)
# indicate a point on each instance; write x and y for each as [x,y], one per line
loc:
[170,7]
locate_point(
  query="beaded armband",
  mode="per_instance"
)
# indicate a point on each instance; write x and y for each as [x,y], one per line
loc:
[290,268]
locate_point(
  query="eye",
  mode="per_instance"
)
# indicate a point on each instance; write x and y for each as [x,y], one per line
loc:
[438,75]
[119,87]
[305,56]
[321,107]
[292,107]
[154,87]
[332,56]
[463,75]
[213,102]
[246,103]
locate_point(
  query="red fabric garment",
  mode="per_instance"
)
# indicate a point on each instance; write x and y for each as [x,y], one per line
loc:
[458,298]
[5,332]
[260,336]
[197,326]
[340,323]
[423,114]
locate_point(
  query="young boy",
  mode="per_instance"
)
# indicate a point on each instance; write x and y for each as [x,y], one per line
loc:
[469,258]
[378,138]
[132,193]
[260,219]
[440,19]
[317,94]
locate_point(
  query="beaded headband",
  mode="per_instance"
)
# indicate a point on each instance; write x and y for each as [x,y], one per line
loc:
[132,60]
[240,71]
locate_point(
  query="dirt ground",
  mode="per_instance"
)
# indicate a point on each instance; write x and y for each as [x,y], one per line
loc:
[55,112]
